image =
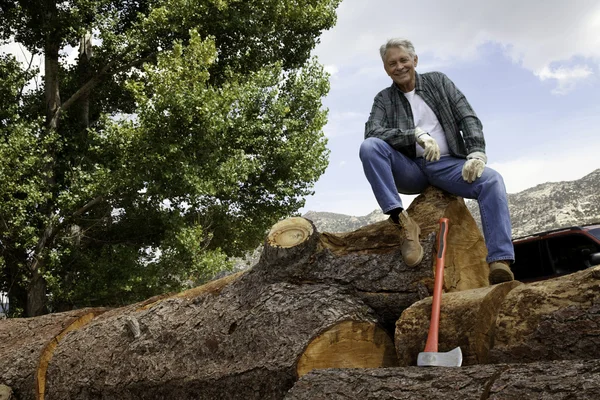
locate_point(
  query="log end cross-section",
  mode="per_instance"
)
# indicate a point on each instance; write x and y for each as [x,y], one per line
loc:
[289,240]
[349,344]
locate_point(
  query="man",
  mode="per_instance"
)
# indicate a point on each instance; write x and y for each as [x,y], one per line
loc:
[422,131]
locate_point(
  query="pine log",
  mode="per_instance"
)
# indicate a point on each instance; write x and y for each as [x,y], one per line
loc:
[467,320]
[367,263]
[466,252]
[556,319]
[312,301]
[556,380]
[26,346]
[241,343]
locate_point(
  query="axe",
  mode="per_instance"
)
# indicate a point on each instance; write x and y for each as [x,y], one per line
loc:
[430,357]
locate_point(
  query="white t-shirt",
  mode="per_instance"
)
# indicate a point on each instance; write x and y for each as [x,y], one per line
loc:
[425,119]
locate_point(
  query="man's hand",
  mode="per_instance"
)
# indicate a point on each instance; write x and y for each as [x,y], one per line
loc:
[431,150]
[473,168]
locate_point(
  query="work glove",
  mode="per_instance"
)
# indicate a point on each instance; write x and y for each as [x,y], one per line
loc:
[431,150]
[474,166]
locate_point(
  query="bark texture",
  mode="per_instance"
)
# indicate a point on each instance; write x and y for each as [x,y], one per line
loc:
[240,343]
[467,320]
[312,301]
[25,341]
[533,381]
[557,319]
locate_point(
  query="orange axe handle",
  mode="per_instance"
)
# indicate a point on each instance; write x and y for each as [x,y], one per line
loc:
[434,325]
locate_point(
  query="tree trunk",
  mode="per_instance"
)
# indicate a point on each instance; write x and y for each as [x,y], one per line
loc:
[466,252]
[243,342]
[36,289]
[534,381]
[36,293]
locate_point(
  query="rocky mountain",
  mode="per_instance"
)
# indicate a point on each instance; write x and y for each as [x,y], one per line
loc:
[332,222]
[544,207]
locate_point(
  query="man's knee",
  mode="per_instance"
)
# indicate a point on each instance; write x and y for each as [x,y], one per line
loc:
[370,147]
[492,180]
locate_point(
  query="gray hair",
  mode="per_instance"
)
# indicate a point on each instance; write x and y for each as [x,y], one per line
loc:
[400,43]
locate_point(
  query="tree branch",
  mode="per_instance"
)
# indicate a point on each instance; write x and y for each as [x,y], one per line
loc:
[51,231]
[93,82]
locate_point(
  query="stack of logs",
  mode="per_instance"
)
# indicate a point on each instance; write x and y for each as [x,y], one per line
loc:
[324,316]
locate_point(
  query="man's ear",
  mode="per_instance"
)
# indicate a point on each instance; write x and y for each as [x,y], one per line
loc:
[416,60]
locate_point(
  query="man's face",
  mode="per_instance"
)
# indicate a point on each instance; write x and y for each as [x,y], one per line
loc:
[400,66]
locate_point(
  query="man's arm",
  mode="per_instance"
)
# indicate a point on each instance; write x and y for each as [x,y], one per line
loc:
[465,117]
[378,126]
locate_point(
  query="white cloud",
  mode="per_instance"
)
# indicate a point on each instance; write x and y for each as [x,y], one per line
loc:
[566,77]
[534,33]
[331,69]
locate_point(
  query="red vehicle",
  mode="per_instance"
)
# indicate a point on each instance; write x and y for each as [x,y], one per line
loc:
[558,252]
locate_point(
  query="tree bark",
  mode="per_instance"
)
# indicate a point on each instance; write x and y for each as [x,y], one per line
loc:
[24,342]
[533,381]
[467,320]
[557,319]
[242,342]
[312,301]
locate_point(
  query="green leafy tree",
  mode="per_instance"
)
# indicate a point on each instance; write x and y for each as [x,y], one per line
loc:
[184,129]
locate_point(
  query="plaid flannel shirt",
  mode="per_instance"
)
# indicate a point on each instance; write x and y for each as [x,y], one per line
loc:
[391,117]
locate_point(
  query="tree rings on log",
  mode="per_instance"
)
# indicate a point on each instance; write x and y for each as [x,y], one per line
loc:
[290,232]
[289,239]
[349,344]
[467,320]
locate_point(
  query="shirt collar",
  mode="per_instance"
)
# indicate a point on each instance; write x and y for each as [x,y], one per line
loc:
[418,84]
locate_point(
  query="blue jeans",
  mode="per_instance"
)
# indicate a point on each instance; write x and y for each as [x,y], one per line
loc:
[389,172]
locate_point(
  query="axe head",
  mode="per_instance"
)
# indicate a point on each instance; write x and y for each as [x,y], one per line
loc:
[452,358]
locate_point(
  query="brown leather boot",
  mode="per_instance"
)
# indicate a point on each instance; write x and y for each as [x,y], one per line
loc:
[412,251]
[500,272]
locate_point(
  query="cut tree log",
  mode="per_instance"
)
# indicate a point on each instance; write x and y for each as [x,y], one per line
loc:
[557,319]
[465,267]
[241,343]
[27,344]
[370,268]
[533,381]
[467,320]
[349,344]
[312,301]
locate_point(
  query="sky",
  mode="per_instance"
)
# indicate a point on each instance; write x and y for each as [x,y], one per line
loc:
[530,70]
